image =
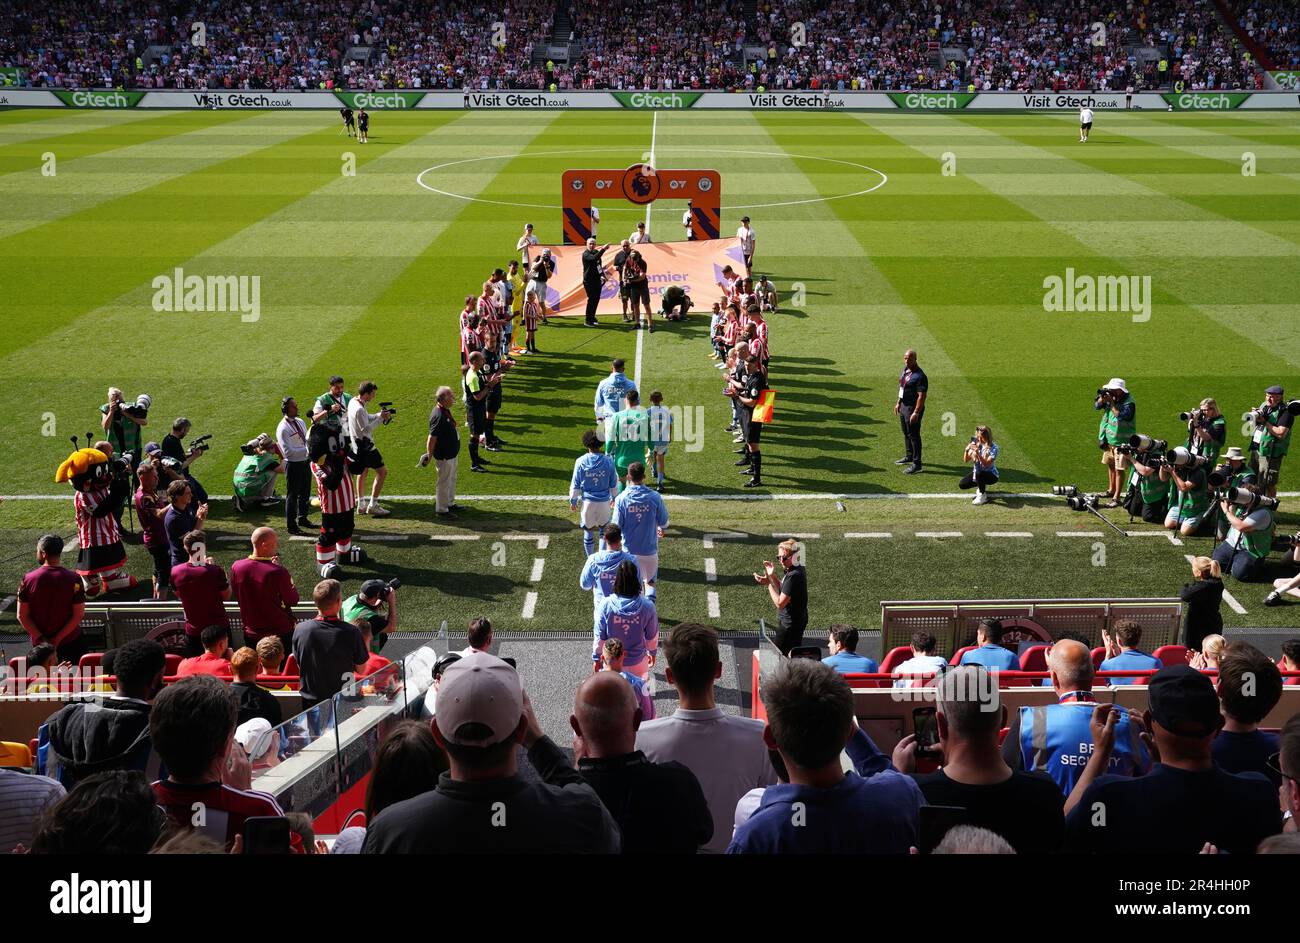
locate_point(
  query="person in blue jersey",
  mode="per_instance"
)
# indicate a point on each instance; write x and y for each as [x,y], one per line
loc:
[601,567]
[594,482]
[1056,738]
[989,651]
[612,391]
[842,641]
[642,514]
[613,657]
[631,618]
[1123,654]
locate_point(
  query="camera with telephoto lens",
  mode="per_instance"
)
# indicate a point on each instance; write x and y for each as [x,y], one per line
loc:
[1250,500]
[200,444]
[121,465]
[1082,502]
[1065,491]
[1219,477]
[1144,443]
[1182,458]
[139,409]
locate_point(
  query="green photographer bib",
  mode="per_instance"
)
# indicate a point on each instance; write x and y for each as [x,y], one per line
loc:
[1271,446]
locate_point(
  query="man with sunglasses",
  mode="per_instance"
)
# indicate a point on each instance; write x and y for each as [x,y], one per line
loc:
[789,592]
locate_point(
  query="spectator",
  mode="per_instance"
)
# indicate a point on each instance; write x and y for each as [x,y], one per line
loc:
[1207,659]
[823,809]
[659,807]
[631,618]
[726,753]
[1201,615]
[215,660]
[181,518]
[1197,801]
[844,657]
[480,635]
[1250,686]
[1287,843]
[327,648]
[193,728]
[51,602]
[109,813]
[923,661]
[87,737]
[265,590]
[989,651]
[300,826]
[151,508]
[1123,654]
[1023,808]
[23,800]
[1287,766]
[202,588]
[374,597]
[270,655]
[483,714]
[1056,738]
[260,742]
[42,668]
[408,763]
[251,701]
[970,840]
[1291,659]
[612,654]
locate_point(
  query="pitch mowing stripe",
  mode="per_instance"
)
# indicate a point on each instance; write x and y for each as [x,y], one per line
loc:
[65,124]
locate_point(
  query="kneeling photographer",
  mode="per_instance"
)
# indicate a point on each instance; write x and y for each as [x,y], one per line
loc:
[1148,491]
[1250,517]
[375,597]
[1232,472]
[183,457]
[256,471]
[1190,497]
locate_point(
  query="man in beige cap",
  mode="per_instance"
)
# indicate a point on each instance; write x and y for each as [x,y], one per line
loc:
[482,805]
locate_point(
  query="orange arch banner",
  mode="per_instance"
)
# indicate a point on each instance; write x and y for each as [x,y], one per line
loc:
[641,184]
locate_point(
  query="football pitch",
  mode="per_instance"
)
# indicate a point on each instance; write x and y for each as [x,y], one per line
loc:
[881,231]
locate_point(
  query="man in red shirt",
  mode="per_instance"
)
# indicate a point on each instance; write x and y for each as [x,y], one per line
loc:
[201,586]
[215,659]
[51,602]
[265,590]
[192,726]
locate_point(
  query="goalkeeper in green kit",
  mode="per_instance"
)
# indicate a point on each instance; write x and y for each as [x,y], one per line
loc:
[256,471]
[627,436]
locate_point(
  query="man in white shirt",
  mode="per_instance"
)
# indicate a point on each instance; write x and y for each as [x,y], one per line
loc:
[361,425]
[1085,123]
[725,752]
[595,221]
[291,437]
[923,662]
[746,236]
[686,222]
[525,245]
[640,235]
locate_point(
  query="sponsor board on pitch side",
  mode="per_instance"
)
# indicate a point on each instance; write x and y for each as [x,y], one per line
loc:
[1205,101]
[227,100]
[388,100]
[932,101]
[98,98]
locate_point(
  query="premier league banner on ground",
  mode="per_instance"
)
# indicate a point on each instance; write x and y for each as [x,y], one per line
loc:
[695,267]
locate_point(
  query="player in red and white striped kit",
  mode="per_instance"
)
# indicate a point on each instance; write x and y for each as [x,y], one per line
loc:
[333,471]
[99,495]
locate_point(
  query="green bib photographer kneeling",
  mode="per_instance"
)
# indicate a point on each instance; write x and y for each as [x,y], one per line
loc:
[256,471]
[1251,538]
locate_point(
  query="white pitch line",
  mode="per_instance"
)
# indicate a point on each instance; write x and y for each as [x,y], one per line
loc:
[710,570]
[1230,599]
[530,606]
[868,535]
[454,536]
[938,533]
[303,537]
[536,575]
[798,536]
[783,496]
[542,540]
[1007,533]
[1079,533]
[709,538]
[1167,534]
[715,611]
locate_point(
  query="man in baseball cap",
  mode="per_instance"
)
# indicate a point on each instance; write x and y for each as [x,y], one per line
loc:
[1197,802]
[1273,422]
[482,805]
[370,603]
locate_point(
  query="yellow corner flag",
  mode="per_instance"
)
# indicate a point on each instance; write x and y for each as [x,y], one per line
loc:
[766,404]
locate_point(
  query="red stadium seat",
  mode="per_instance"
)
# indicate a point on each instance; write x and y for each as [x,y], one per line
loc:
[956,656]
[33,744]
[91,661]
[1098,656]
[1281,666]
[1033,658]
[290,667]
[173,663]
[18,666]
[895,657]
[1002,735]
[1170,655]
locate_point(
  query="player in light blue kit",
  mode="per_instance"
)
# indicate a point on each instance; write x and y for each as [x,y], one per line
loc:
[595,480]
[600,569]
[612,391]
[641,514]
[661,433]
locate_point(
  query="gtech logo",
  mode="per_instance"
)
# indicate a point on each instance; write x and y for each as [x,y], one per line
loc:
[85,98]
[657,99]
[386,101]
[1205,101]
[932,101]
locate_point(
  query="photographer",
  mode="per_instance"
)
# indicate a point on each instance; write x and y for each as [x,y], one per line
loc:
[332,407]
[1190,498]
[637,280]
[539,272]
[360,426]
[375,596]
[1232,473]
[182,457]
[122,422]
[1273,422]
[1249,541]
[1118,423]
[291,439]
[1149,489]
[1207,430]
[255,473]
[982,453]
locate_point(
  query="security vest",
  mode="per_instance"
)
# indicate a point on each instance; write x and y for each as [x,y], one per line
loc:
[1116,431]
[1271,446]
[1055,738]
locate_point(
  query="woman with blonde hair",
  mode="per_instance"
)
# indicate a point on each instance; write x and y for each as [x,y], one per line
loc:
[1207,659]
[1201,601]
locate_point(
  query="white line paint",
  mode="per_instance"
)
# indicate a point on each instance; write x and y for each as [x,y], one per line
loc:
[715,610]
[710,570]
[868,535]
[542,540]
[1007,533]
[1079,533]
[798,536]
[709,538]
[938,533]
[303,538]
[530,606]
[1172,539]
[1167,534]
[1230,599]
[390,538]
[454,536]
[536,575]
[809,496]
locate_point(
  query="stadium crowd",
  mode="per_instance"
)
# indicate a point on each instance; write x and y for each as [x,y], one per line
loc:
[840,45]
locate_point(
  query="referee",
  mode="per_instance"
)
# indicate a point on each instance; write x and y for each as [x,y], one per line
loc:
[592,278]
[913,387]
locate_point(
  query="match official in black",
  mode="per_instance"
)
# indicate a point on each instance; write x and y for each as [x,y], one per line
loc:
[913,387]
[592,277]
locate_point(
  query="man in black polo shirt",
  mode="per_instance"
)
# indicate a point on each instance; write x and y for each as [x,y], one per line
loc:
[328,649]
[659,807]
[1194,800]
[620,260]
[592,266]
[789,594]
[913,387]
[443,445]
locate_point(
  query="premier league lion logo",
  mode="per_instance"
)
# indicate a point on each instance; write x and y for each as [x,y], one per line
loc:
[641,184]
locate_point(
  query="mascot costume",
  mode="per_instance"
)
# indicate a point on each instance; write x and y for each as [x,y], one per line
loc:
[331,464]
[101,488]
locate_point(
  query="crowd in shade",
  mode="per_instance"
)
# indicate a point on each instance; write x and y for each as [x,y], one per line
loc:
[839,45]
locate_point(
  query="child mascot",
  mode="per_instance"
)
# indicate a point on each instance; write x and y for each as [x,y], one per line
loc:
[101,488]
[331,464]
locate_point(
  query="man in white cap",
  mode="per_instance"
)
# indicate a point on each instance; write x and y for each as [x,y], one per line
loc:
[482,805]
[1118,424]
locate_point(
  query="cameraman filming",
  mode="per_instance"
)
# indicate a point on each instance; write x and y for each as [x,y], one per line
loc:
[1118,423]
[1273,421]
[361,425]
[122,422]
[1207,430]
[1189,499]
[1250,539]
[375,597]
[183,457]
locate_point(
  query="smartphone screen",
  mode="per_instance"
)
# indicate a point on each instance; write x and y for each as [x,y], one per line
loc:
[927,729]
[266,835]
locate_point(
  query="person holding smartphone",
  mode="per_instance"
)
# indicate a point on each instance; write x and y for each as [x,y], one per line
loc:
[982,453]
